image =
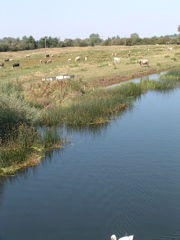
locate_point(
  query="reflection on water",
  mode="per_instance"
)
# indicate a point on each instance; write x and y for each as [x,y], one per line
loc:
[113,178]
[154,77]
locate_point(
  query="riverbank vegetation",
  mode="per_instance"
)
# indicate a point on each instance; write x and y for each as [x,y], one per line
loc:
[27,102]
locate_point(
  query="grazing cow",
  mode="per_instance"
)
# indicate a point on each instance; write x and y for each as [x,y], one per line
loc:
[170,48]
[116,59]
[6,60]
[15,65]
[10,59]
[77,58]
[69,60]
[49,61]
[2,64]
[28,55]
[144,62]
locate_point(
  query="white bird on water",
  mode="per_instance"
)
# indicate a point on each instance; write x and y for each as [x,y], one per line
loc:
[113,237]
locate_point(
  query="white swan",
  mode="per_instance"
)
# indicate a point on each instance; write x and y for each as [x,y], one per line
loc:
[113,237]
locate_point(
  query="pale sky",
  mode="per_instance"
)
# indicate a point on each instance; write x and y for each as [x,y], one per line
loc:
[80,18]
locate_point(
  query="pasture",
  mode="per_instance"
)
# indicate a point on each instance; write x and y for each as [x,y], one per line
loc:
[100,62]
[96,68]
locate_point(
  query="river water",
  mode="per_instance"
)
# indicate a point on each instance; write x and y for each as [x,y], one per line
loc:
[117,178]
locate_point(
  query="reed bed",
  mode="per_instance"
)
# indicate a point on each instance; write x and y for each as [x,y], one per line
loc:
[172,76]
[93,108]
[24,146]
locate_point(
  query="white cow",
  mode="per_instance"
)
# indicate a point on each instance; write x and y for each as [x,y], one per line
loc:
[77,58]
[144,62]
[28,55]
[69,60]
[170,48]
[116,59]
[86,58]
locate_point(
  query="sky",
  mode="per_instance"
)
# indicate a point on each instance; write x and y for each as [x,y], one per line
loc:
[80,18]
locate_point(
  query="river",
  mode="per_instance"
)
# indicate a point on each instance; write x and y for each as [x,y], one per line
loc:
[117,178]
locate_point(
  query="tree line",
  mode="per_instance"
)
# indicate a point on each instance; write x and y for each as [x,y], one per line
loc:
[29,43]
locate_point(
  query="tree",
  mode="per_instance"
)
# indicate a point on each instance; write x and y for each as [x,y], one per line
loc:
[178,28]
[69,42]
[24,43]
[94,39]
[32,43]
[178,37]
[135,38]
[41,42]
[134,35]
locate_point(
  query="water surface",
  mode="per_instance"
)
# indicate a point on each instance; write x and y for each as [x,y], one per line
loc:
[117,178]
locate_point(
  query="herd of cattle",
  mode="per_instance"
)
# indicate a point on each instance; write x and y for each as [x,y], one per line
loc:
[142,62]
[9,60]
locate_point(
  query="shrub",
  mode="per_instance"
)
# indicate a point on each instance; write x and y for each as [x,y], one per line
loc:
[13,112]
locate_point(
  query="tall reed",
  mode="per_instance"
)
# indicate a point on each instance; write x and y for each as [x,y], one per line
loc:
[25,141]
[93,108]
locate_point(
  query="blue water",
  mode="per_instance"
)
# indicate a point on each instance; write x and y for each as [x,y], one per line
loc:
[121,177]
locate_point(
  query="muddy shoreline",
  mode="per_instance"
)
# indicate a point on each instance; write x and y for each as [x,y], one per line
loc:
[104,82]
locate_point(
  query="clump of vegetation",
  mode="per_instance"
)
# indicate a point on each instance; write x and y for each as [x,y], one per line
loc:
[24,146]
[13,111]
[93,108]
[172,76]
[20,141]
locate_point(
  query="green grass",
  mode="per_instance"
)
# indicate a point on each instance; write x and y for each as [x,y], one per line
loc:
[23,144]
[92,108]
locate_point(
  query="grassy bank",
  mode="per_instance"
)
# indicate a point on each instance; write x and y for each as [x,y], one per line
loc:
[25,146]
[27,102]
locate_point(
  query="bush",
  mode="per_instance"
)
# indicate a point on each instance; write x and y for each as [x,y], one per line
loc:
[13,112]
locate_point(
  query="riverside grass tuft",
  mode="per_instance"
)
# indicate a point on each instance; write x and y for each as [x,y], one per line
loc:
[93,108]
[24,146]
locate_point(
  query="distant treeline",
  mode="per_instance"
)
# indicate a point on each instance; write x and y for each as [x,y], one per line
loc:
[29,43]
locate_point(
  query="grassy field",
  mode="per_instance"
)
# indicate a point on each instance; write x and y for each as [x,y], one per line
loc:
[99,64]
[98,71]
[27,102]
